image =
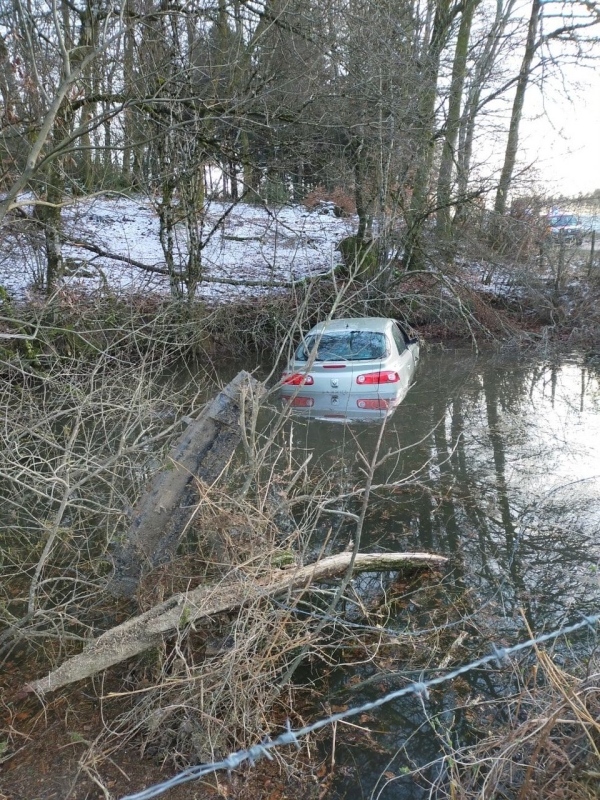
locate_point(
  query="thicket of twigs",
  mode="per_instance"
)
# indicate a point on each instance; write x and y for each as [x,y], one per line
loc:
[86,409]
[93,393]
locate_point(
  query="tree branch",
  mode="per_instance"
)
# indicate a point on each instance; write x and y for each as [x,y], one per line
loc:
[179,612]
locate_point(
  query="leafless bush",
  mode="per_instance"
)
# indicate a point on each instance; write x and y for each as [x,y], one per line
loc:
[86,411]
[338,196]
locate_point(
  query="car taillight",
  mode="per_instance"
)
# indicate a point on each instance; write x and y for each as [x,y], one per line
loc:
[377,403]
[299,402]
[297,379]
[370,378]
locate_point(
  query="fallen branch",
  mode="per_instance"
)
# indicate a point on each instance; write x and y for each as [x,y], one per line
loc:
[100,251]
[147,630]
[162,270]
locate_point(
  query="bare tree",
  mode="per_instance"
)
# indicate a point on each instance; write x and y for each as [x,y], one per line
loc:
[449,155]
[517,110]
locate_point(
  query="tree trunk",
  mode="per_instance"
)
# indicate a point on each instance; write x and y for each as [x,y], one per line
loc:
[413,245]
[11,98]
[87,41]
[166,509]
[49,213]
[128,81]
[182,610]
[191,200]
[444,190]
[359,167]
[512,143]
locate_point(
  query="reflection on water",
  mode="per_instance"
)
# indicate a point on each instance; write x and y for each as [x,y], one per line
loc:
[504,455]
[345,407]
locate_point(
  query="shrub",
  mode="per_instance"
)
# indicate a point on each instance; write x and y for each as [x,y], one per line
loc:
[343,202]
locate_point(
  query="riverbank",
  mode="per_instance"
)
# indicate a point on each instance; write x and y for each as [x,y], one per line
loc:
[265,271]
[441,306]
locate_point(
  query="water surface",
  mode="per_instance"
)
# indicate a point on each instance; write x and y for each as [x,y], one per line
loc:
[495,463]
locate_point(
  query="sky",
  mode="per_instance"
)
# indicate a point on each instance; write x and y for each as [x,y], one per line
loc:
[562,133]
[561,125]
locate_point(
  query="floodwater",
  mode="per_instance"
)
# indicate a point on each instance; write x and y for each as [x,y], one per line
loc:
[495,463]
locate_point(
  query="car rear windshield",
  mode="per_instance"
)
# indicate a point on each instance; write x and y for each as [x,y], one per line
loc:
[345,345]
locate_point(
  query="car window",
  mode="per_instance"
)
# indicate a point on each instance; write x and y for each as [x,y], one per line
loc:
[346,345]
[562,220]
[398,339]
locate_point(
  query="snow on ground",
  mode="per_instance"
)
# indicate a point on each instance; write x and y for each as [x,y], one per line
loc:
[492,279]
[250,243]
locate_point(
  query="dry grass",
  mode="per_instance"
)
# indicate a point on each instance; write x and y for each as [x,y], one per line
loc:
[539,741]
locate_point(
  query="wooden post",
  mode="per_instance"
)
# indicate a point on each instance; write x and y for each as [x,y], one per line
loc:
[561,264]
[592,252]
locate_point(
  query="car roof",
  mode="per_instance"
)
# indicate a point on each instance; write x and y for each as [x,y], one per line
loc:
[374,324]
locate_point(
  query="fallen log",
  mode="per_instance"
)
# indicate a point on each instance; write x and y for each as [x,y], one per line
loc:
[166,509]
[147,630]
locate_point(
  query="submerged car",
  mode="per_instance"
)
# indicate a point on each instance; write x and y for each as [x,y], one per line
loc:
[351,369]
[565,227]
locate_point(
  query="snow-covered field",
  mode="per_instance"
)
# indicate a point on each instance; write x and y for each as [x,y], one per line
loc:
[251,243]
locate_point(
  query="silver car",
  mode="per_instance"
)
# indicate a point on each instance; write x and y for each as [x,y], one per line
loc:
[351,369]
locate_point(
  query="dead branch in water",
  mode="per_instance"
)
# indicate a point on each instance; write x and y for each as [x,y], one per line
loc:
[147,630]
